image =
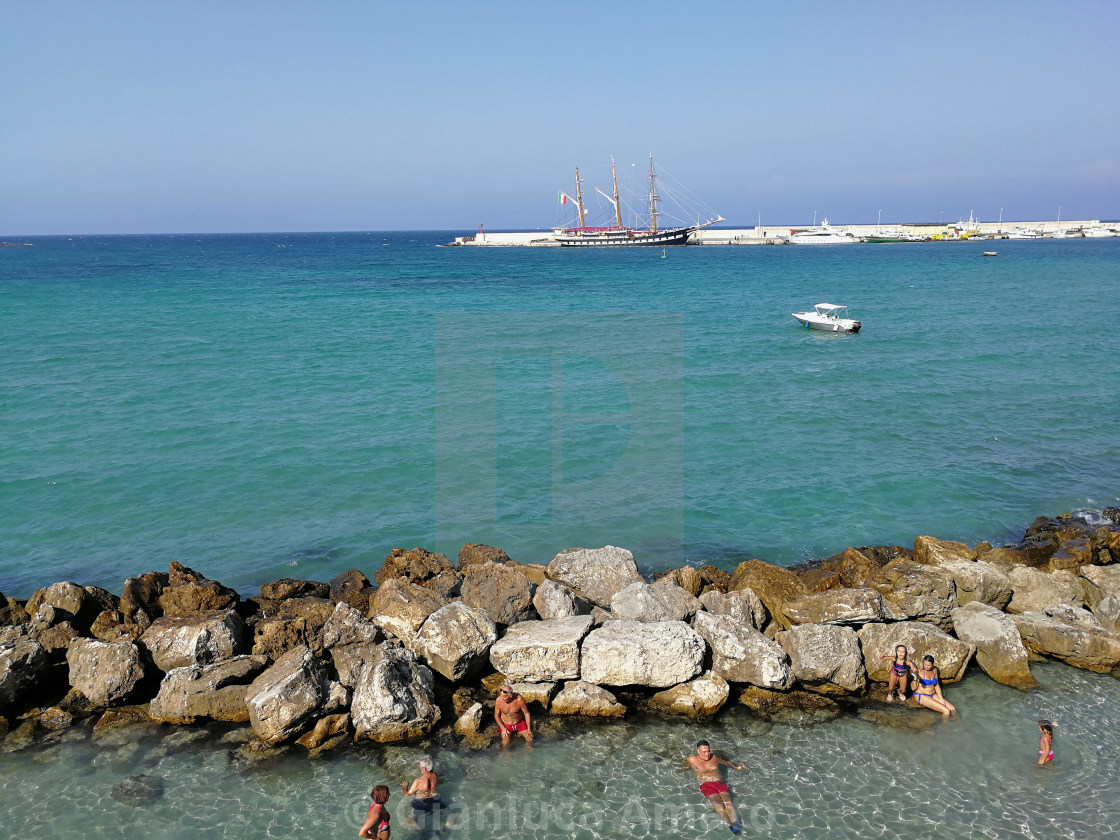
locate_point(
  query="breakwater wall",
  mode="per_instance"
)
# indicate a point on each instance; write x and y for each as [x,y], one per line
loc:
[423,647]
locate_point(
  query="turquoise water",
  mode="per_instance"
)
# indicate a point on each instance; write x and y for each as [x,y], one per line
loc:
[296,405]
[844,780]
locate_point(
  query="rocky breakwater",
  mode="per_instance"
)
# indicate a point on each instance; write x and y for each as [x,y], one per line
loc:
[422,649]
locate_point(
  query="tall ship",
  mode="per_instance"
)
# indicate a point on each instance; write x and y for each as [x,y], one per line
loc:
[618,235]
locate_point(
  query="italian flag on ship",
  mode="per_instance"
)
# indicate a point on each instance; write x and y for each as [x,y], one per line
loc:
[561,198]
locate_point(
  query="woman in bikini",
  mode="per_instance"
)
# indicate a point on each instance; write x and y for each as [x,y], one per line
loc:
[900,668]
[927,688]
[1046,742]
[376,826]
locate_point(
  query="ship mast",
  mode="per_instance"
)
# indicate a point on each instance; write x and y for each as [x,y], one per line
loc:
[579,197]
[653,199]
[617,206]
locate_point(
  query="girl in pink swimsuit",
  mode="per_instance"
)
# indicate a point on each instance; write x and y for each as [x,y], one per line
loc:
[1046,742]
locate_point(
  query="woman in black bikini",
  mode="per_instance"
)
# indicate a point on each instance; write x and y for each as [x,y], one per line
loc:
[900,667]
[927,688]
[376,825]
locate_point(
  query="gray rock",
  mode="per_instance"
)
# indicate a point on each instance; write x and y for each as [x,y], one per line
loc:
[106,673]
[825,658]
[836,606]
[915,591]
[23,666]
[1036,590]
[660,654]
[541,651]
[661,602]
[1100,582]
[555,600]
[999,647]
[741,654]
[698,698]
[597,573]
[456,639]
[582,698]
[393,698]
[347,626]
[350,660]
[742,605]
[218,691]
[195,639]
[980,581]
[288,696]
[470,722]
[950,655]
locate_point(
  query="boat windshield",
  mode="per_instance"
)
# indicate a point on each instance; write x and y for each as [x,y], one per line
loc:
[832,309]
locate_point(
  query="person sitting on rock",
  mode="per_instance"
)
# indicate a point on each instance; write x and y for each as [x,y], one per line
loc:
[423,792]
[901,668]
[927,688]
[705,764]
[512,715]
[376,826]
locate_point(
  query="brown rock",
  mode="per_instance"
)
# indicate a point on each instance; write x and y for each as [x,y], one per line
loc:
[352,588]
[819,580]
[414,566]
[715,577]
[930,551]
[12,612]
[401,608]
[537,573]
[55,718]
[1071,554]
[189,591]
[1106,546]
[142,593]
[473,554]
[325,729]
[501,592]
[853,568]
[285,588]
[923,593]
[772,584]
[121,716]
[110,625]
[1006,556]
[298,622]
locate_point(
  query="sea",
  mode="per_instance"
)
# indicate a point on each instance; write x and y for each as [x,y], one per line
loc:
[295,405]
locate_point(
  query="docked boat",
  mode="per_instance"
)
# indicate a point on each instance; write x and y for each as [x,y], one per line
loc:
[1098,232]
[829,317]
[1023,232]
[618,235]
[825,234]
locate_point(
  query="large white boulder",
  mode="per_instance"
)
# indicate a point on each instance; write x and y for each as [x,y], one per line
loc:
[394,697]
[741,654]
[950,655]
[595,573]
[836,606]
[105,672]
[195,639]
[648,602]
[742,605]
[999,647]
[657,654]
[541,651]
[824,657]
[1035,590]
[286,697]
[456,639]
[1072,634]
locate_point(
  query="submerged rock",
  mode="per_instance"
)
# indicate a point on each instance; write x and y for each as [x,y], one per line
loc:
[790,707]
[698,698]
[138,790]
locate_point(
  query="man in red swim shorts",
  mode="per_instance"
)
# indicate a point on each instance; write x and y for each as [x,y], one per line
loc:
[705,764]
[512,715]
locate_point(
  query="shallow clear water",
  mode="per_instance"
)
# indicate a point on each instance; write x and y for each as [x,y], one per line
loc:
[296,405]
[845,779]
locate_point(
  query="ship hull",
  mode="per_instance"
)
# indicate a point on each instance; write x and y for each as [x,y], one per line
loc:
[623,238]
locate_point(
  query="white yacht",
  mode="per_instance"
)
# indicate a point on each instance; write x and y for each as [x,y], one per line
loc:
[1098,231]
[823,235]
[1024,232]
[829,317]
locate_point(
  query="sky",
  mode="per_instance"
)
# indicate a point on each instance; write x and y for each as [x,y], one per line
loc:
[123,117]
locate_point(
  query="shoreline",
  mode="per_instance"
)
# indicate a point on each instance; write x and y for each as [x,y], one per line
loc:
[327,664]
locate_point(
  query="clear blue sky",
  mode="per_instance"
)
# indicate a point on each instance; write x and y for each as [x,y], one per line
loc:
[266,116]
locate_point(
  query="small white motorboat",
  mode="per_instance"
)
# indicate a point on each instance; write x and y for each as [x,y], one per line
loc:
[829,317]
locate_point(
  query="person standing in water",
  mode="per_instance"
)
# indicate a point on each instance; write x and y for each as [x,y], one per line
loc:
[376,826]
[1046,742]
[705,764]
[901,668]
[512,715]
[423,792]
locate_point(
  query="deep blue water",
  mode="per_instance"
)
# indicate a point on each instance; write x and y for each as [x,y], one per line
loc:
[259,406]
